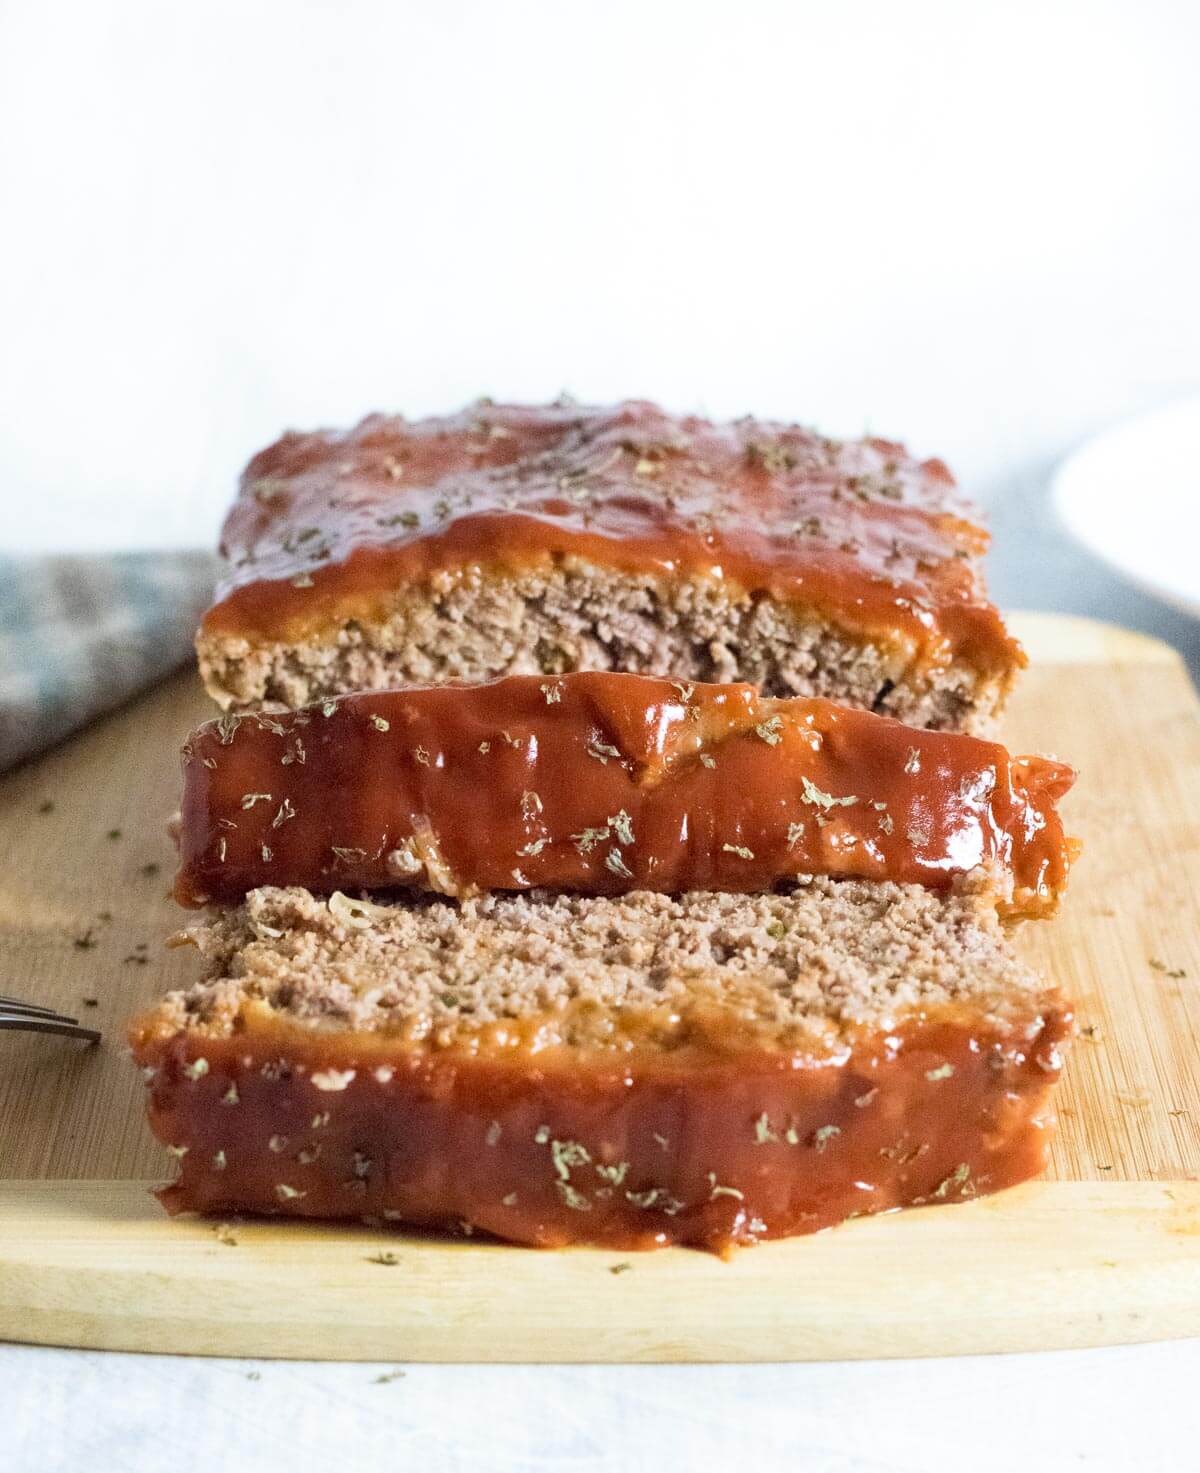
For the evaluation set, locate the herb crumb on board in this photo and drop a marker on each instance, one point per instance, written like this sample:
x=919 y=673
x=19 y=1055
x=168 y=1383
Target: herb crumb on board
x=1175 y=973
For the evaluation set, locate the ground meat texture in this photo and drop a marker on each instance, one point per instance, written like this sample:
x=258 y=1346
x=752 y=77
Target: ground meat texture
x=509 y=540
x=709 y=1069
x=475 y=627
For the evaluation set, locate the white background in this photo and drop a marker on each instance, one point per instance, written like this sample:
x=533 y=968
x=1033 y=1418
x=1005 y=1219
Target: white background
x=974 y=225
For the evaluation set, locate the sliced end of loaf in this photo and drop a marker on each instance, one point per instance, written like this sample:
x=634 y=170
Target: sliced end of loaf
x=707 y=1069
x=581 y=616
x=823 y=961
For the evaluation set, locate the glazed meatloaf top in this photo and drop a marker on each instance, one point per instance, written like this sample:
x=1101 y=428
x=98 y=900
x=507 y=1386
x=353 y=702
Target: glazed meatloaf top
x=607 y=783
x=328 y=525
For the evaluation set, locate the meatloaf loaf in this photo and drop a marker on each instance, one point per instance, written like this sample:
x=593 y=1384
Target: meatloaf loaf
x=709 y=1069
x=605 y=783
x=517 y=540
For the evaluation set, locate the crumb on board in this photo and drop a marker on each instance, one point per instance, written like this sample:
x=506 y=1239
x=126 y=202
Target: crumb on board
x=1175 y=973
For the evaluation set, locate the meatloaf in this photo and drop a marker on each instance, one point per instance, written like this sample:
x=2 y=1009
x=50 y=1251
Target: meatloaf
x=708 y=1069
x=604 y=783
x=518 y=540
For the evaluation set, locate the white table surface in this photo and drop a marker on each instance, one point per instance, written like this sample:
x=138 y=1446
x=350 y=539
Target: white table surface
x=976 y=226
x=1132 y=1410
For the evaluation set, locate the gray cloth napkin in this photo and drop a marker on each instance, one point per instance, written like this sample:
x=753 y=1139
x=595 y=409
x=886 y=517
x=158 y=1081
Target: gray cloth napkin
x=80 y=635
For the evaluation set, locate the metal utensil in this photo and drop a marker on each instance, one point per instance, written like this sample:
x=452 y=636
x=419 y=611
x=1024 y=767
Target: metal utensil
x=27 y=1017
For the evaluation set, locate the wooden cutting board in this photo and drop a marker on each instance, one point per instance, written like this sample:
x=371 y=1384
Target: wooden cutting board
x=1107 y=1249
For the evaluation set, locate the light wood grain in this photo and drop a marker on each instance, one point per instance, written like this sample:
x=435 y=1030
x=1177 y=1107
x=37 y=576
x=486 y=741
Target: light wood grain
x=1060 y=1264
x=1107 y=1249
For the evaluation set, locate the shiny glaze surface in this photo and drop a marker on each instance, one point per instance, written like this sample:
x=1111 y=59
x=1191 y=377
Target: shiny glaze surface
x=604 y=783
x=328 y=525
x=634 y=1151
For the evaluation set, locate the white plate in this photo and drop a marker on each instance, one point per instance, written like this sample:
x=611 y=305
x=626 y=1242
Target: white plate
x=1132 y=496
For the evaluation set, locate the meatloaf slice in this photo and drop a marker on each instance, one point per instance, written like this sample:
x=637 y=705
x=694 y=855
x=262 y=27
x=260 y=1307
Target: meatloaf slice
x=604 y=783
x=708 y=1069
x=517 y=540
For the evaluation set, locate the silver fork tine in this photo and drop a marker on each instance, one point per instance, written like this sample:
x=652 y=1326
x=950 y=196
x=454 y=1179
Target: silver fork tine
x=13 y=1005
x=45 y=1021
